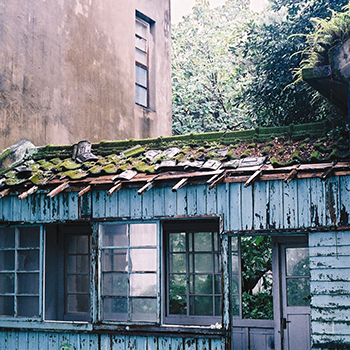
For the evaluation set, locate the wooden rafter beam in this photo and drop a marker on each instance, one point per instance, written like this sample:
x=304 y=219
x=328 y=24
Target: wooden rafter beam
x=117 y=186
x=180 y=184
x=145 y=188
x=253 y=178
x=4 y=192
x=29 y=192
x=217 y=181
x=84 y=190
x=58 y=189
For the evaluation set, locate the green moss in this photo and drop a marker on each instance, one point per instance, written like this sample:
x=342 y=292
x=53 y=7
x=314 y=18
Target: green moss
x=69 y=164
x=275 y=163
x=296 y=156
x=245 y=154
x=5 y=154
x=134 y=151
x=96 y=169
x=281 y=151
x=110 y=169
x=252 y=145
x=229 y=155
x=266 y=151
x=335 y=154
x=73 y=174
x=315 y=156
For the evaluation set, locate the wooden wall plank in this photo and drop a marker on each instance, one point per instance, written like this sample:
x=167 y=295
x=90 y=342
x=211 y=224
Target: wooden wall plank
x=124 y=204
x=159 y=202
x=260 y=204
x=201 y=199
x=83 y=341
x=223 y=203
x=181 y=201
x=212 y=201
x=332 y=198
x=147 y=205
x=247 y=207
x=344 y=191
x=235 y=207
x=290 y=208
x=317 y=205
x=192 y=200
x=304 y=200
x=118 y=342
x=169 y=201
x=135 y=204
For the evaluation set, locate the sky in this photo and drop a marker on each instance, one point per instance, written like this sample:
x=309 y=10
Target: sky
x=180 y=8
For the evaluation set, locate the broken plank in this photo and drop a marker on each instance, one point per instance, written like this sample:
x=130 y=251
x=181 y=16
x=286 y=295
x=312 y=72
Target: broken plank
x=58 y=189
x=29 y=192
x=253 y=178
x=4 y=192
x=145 y=188
x=115 y=188
x=84 y=190
x=180 y=184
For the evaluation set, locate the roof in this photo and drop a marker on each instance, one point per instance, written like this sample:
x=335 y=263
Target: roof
x=294 y=151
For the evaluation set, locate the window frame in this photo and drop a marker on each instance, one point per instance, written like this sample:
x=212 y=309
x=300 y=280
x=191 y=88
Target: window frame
x=40 y=295
x=194 y=225
x=100 y=273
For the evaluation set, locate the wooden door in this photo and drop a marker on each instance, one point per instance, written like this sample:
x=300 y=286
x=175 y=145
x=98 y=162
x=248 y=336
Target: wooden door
x=295 y=291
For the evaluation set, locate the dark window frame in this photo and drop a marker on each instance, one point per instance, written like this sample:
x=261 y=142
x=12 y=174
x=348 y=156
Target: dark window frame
x=191 y=227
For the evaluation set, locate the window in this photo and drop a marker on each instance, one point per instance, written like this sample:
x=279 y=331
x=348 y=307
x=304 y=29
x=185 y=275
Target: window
x=20 y=272
x=129 y=272
x=67 y=277
x=142 y=33
x=193 y=281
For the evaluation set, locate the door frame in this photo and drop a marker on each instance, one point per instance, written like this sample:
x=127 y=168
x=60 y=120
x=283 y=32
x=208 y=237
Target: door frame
x=277 y=242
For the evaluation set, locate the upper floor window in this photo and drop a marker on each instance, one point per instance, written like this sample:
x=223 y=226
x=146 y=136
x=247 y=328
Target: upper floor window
x=193 y=279
x=142 y=35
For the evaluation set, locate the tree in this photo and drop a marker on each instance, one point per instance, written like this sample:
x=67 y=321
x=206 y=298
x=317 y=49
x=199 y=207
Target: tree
x=205 y=72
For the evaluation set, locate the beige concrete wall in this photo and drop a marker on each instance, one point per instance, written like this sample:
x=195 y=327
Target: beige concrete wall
x=67 y=71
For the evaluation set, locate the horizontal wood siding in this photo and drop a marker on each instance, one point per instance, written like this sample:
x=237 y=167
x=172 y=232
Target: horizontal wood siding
x=31 y=340
x=330 y=287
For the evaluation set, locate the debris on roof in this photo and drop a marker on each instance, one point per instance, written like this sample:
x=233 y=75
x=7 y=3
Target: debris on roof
x=248 y=156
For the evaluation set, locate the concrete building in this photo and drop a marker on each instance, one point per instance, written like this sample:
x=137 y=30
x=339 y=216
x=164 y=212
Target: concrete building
x=84 y=69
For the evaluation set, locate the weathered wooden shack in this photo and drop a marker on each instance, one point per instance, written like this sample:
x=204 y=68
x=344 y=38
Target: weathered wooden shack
x=142 y=244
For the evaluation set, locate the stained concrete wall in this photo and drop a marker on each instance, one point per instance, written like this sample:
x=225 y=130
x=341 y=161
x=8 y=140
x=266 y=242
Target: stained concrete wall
x=67 y=71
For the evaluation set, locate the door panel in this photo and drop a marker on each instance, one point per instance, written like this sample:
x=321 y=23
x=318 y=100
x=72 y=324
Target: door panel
x=295 y=290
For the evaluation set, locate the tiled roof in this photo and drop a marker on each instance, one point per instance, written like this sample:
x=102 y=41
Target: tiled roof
x=265 y=153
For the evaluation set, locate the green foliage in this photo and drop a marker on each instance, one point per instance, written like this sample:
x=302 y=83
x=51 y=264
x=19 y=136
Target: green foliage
x=328 y=33
x=65 y=346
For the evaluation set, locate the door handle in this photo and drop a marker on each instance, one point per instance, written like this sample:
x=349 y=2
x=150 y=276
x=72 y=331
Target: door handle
x=284 y=322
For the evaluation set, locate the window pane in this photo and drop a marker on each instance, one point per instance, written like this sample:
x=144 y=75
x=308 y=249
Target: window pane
x=115 y=260
x=7 y=283
x=28 y=260
x=143 y=259
x=115 y=309
x=141 y=28
x=7 y=238
x=141 y=57
x=203 y=263
x=177 y=304
x=298 y=292
x=235 y=284
x=177 y=242
x=143 y=309
x=28 y=283
x=297 y=260
x=140 y=43
x=28 y=306
x=177 y=284
x=6 y=306
x=115 y=284
x=143 y=235
x=78 y=284
x=141 y=76
x=203 y=241
x=141 y=95
x=77 y=303
x=143 y=284
x=115 y=235
x=77 y=244
x=218 y=306
x=203 y=284
x=78 y=263
x=7 y=260
x=29 y=237
x=201 y=305
x=218 y=286
x=177 y=262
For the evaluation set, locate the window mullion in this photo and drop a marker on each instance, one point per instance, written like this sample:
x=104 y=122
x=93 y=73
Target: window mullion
x=15 y=272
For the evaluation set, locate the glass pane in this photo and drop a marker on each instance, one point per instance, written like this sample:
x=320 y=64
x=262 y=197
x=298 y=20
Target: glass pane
x=140 y=43
x=203 y=241
x=78 y=283
x=297 y=260
x=235 y=284
x=177 y=304
x=115 y=309
x=7 y=238
x=28 y=306
x=28 y=260
x=115 y=260
x=234 y=244
x=115 y=235
x=203 y=263
x=141 y=57
x=177 y=262
x=77 y=244
x=143 y=309
x=143 y=284
x=298 y=292
x=203 y=284
x=234 y=263
x=141 y=76
x=143 y=235
x=235 y=305
x=177 y=242
x=28 y=283
x=7 y=260
x=141 y=96
x=177 y=284
x=7 y=283
x=201 y=305
x=7 y=306
x=217 y=263
x=141 y=28
x=217 y=284
x=218 y=306
x=115 y=284
x=29 y=237
x=143 y=260
x=78 y=263
x=78 y=303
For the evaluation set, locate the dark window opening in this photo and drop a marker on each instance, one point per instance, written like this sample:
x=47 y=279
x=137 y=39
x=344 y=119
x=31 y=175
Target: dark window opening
x=193 y=278
x=67 y=273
